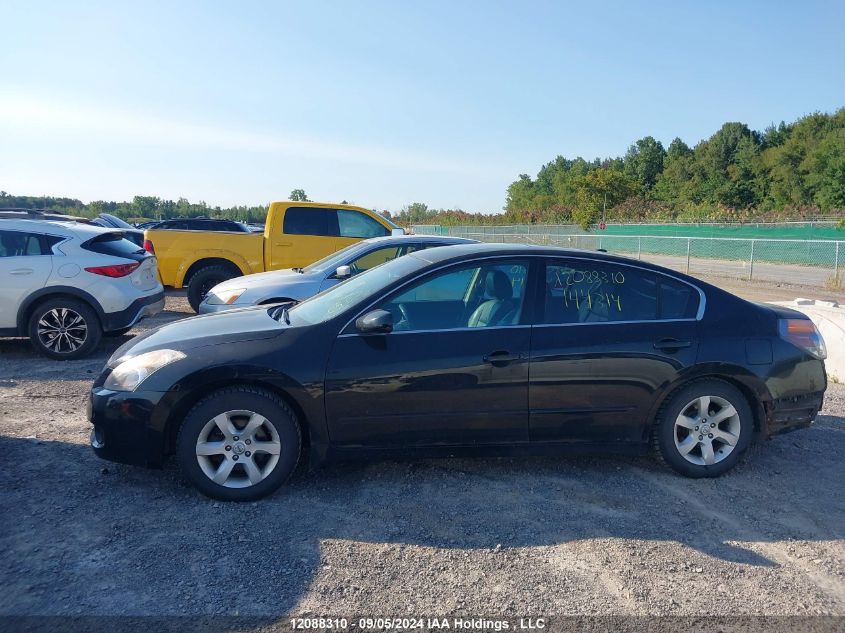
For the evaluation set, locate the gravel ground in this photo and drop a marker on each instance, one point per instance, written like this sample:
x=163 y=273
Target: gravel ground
x=483 y=536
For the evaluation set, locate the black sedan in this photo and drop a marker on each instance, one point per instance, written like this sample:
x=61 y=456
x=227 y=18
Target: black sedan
x=471 y=348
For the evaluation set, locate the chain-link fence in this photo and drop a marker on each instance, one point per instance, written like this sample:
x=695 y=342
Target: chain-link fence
x=802 y=262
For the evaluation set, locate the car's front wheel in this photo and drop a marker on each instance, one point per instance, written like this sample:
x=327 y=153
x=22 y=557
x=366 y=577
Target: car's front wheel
x=704 y=428
x=239 y=444
x=64 y=329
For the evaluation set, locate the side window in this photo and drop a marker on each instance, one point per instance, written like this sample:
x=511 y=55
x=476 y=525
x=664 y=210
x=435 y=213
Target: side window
x=677 y=299
x=356 y=224
x=19 y=244
x=468 y=297
x=586 y=292
x=308 y=221
x=374 y=258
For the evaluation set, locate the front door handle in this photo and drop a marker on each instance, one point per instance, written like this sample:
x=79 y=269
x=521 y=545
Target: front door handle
x=21 y=271
x=671 y=344
x=501 y=358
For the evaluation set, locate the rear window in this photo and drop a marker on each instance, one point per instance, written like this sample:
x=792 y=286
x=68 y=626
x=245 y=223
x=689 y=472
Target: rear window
x=116 y=245
x=310 y=221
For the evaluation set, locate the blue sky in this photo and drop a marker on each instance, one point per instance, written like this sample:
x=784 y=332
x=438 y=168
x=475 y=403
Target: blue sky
x=384 y=103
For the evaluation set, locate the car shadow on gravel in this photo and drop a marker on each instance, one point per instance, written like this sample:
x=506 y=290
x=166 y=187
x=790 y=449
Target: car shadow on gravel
x=87 y=536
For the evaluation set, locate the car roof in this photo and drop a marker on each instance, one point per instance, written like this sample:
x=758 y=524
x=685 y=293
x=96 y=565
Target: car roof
x=64 y=228
x=458 y=252
x=439 y=239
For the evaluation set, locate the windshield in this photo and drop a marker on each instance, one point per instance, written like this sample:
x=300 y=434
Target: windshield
x=331 y=262
x=330 y=303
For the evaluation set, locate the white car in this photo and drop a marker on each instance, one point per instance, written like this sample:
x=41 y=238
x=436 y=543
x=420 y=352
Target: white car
x=65 y=284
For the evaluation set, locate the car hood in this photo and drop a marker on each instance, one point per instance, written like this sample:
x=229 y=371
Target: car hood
x=232 y=326
x=271 y=283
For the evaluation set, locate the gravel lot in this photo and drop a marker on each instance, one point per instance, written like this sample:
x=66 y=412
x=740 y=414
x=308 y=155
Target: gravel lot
x=485 y=536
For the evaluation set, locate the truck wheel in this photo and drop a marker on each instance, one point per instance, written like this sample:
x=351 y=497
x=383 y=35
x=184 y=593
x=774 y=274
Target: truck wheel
x=64 y=329
x=204 y=280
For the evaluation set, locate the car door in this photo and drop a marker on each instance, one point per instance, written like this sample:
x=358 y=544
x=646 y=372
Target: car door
x=609 y=336
x=25 y=265
x=454 y=371
x=307 y=234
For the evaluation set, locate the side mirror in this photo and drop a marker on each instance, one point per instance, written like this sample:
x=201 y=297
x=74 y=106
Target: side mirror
x=375 y=322
x=397 y=232
x=343 y=272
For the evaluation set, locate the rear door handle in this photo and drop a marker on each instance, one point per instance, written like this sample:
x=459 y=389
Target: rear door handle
x=21 y=271
x=671 y=344
x=501 y=358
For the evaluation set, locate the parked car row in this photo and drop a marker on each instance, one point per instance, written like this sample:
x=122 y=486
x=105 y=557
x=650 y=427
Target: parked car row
x=401 y=345
x=64 y=306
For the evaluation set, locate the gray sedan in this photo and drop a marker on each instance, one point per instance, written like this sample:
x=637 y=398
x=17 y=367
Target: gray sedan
x=297 y=284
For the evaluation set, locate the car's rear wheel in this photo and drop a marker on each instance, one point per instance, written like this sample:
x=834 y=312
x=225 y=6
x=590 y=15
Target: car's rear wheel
x=64 y=328
x=704 y=428
x=239 y=444
x=204 y=280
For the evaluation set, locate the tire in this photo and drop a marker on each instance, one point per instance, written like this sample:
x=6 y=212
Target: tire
x=231 y=459
x=679 y=422
x=204 y=280
x=64 y=328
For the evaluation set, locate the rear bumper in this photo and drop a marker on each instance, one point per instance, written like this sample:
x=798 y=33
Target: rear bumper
x=137 y=310
x=122 y=426
x=789 y=414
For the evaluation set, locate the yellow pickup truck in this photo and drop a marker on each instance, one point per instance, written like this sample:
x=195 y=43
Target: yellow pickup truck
x=295 y=235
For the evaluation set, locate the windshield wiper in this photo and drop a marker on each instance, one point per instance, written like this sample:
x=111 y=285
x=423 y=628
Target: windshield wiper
x=296 y=270
x=281 y=311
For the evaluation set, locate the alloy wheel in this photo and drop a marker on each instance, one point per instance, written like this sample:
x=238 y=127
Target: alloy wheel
x=238 y=449
x=62 y=330
x=707 y=430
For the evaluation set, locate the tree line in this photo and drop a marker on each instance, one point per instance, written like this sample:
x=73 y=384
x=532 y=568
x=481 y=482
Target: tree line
x=788 y=171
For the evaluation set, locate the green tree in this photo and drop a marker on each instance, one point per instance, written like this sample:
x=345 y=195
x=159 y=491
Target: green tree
x=298 y=195
x=599 y=189
x=643 y=163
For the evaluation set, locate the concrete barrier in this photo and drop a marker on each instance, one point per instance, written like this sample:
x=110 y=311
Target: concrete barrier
x=829 y=317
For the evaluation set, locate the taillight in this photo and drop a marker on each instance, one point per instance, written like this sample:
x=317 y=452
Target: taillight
x=803 y=333
x=148 y=246
x=118 y=270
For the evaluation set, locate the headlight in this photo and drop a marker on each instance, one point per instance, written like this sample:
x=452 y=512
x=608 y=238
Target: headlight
x=224 y=297
x=129 y=374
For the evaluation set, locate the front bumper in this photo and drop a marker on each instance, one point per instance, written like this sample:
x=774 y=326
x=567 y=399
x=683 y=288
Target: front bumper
x=124 y=429
x=137 y=310
x=789 y=414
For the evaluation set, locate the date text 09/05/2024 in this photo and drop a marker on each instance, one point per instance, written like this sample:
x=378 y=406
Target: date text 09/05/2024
x=410 y=623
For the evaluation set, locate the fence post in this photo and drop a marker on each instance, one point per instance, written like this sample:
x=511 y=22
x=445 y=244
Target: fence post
x=689 y=244
x=639 y=247
x=751 y=269
x=836 y=264
x=600 y=239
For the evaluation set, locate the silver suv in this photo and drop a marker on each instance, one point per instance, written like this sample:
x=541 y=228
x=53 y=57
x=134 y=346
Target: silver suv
x=65 y=284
